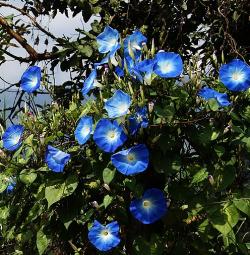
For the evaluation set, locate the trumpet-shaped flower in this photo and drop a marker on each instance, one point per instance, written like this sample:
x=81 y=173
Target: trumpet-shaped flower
x=150 y=208
x=168 y=64
x=107 y=41
x=84 y=129
x=138 y=120
x=109 y=135
x=56 y=159
x=31 y=79
x=132 y=68
x=134 y=42
x=12 y=137
x=89 y=82
x=146 y=66
x=104 y=238
x=132 y=161
x=118 y=104
x=208 y=93
x=235 y=75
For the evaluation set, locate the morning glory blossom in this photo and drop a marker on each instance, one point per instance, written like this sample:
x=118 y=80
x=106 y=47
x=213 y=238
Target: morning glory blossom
x=107 y=41
x=131 y=161
x=235 y=75
x=132 y=68
x=150 y=208
x=84 y=129
x=31 y=78
x=109 y=135
x=89 y=82
x=12 y=137
x=134 y=42
x=138 y=120
x=168 y=64
x=56 y=159
x=221 y=98
x=104 y=238
x=146 y=66
x=118 y=104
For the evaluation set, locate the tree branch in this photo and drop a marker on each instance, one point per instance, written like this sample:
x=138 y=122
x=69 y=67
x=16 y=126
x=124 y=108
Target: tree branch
x=33 y=20
x=33 y=54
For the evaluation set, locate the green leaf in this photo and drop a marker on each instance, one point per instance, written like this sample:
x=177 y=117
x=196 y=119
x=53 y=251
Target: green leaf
x=85 y=50
x=199 y=176
x=167 y=112
x=224 y=177
x=225 y=218
x=57 y=189
x=3 y=182
x=213 y=104
x=107 y=200
x=42 y=241
x=108 y=175
x=28 y=176
x=243 y=205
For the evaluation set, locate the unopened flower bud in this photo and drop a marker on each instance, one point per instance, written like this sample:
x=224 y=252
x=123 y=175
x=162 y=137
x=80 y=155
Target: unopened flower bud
x=211 y=179
x=150 y=106
x=2 y=154
x=106 y=186
x=95 y=204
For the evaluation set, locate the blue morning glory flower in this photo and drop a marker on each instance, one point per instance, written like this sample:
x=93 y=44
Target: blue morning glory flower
x=89 y=82
x=146 y=66
x=168 y=64
x=138 y=120
x=84 y=129
x=12 y=137
x=109 y=135
x=31 y=79
x=118 y=104
x=150 y=208
x=135 y=42
x=131 y=161
x=11 y=186
x=235 y=75
x=208 y=93
x=104 y=238
x=132 y=68
x=107 y=40
x=56 y=159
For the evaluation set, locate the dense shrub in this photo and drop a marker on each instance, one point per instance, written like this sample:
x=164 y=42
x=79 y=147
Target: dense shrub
x=152 y=147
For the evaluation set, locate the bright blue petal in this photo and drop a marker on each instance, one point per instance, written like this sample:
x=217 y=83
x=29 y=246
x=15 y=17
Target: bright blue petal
x=132 y=68
x=235 y=75
x=31 y=79
x=119 y=71
x=12 y=137
x=132 y=161
x=56 y=159
x=107 y=40
x=104 y=238
x=208 y=93
x=136 y=41
x=138 y=120
x=84 y=129
x=146 y=66
x=168 y=64
x=109 y=135
x=11 y=186
x=89 y=82
x=118 y=104
x=150 y=208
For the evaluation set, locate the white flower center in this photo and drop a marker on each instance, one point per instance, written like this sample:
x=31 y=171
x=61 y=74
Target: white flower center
x=166 y=67
x=105 y=234
x=123 y=108
x=85 y=131
x=146 y=204
x=112 y=135
x=113 y=42
x=131 y=157
x=238 y=76
x=16 y=139
x=34 y=82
